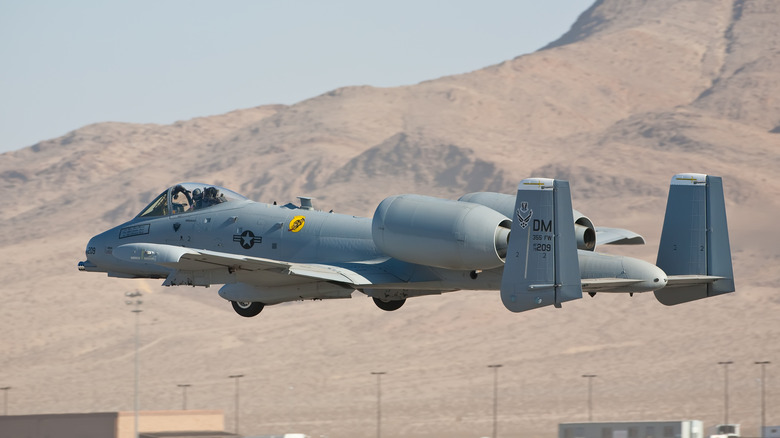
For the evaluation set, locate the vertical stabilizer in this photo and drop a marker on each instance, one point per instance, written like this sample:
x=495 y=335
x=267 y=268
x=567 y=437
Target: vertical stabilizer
x=694 y=250
x=542 y=267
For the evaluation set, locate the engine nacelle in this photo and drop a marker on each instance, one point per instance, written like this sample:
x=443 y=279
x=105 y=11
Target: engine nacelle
x=441 y=232
x=584 y=230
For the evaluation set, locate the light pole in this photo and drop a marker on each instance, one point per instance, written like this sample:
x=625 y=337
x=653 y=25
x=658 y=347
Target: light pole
x=5 y=399
x=726 y=390
x=236 y=377
x=590 y=395
x=763 y=364
x=378 y=375
x=495 y=398
x=135 y=300
x=184 y=387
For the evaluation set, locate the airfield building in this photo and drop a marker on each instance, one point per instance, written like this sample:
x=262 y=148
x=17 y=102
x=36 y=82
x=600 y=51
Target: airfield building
x=771 y=432
x=151 y=424
x=643 y=429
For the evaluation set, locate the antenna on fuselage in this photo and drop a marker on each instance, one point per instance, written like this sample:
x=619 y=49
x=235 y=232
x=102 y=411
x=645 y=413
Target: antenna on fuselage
x=306 y=203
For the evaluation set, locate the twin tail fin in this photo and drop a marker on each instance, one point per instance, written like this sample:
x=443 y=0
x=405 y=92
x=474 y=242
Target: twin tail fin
x=542 y=267
x=694 y=250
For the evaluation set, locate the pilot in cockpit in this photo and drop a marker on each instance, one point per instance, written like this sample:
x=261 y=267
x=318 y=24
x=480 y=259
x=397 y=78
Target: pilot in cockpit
x=181 y=200
x=197 y=199
x=211 y=196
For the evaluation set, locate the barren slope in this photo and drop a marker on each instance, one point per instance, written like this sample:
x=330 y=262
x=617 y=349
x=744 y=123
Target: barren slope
x=636 y=92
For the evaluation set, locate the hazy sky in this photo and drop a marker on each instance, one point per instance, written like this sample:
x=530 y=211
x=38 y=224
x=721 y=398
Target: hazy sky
x=66 y=64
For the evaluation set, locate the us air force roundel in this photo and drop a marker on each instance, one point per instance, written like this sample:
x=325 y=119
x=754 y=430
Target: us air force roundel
x=247 y=239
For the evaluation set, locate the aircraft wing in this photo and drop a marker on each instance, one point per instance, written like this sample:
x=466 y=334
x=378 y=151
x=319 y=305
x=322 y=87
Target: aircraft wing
x=617 y=236
x=187 y=259
x=179 y=257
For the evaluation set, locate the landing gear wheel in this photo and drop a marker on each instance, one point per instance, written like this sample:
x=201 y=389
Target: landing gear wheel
x=247 y=309
x=389 y=306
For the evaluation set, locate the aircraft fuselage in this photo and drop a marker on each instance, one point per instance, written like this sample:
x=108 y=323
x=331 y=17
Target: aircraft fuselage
x=290 y=234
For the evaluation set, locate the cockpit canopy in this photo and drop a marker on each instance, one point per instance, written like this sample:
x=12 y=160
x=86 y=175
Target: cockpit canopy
x=187 y=197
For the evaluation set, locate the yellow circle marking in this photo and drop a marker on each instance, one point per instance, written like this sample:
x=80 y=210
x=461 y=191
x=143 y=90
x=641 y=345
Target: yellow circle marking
x=297 y=223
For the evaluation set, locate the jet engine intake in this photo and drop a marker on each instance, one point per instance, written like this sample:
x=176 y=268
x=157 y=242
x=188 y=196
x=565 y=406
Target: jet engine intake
x=441 y=232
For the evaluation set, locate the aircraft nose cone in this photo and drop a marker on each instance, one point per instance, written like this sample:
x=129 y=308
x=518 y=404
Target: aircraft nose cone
x=91 y=263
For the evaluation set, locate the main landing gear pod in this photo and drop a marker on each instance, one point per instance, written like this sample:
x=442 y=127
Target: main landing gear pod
x=247 y=309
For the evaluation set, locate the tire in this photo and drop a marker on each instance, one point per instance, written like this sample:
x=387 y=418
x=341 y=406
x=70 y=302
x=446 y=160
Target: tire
x=389 y=306
x=247 y=309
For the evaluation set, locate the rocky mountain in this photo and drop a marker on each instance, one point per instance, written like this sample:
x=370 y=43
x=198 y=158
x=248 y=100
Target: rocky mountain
x=635 y=92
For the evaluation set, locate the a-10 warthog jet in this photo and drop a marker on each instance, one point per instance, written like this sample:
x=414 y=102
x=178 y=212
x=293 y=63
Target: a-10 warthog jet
x=533 y=247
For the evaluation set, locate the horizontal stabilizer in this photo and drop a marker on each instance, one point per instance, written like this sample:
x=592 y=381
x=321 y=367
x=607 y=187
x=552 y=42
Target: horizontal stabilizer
x=541 y=268
x=694 y=249
x=607 y=284
x=687 y=280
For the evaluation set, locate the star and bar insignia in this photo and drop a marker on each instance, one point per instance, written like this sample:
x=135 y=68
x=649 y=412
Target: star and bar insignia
x=247 y=239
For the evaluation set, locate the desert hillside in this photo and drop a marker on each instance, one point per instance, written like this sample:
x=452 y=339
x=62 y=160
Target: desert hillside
x=635 y=92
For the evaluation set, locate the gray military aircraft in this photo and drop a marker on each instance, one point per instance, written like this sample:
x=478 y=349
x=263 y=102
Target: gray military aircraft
x=533 y=247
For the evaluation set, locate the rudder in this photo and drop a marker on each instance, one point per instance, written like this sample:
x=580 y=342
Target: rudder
x=694 y=250
x=542 y=267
